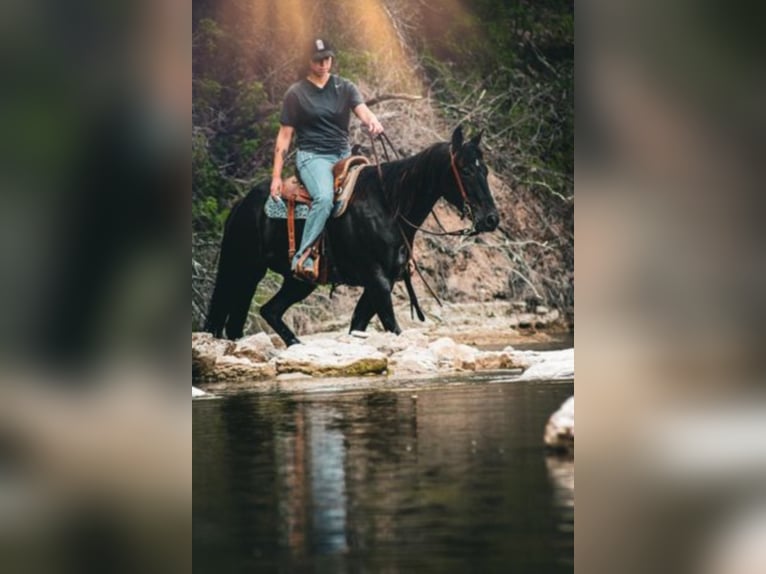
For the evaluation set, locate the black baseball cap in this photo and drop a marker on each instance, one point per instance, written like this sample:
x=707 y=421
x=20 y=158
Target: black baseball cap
x=321 y=49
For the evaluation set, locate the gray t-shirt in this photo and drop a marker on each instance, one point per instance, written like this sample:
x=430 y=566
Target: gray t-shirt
x=320 y=116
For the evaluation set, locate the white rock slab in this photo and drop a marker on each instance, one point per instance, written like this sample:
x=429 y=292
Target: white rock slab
x=414 y=361
x=454 y=355
x=257 y=348
x=546 y=365
x=559 y=432
x=329 y=357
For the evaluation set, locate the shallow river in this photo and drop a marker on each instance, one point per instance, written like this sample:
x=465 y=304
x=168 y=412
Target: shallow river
x=449 y=479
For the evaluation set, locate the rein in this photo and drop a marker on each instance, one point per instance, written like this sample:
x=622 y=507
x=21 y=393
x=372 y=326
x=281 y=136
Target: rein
x=383 y=141
x=468 y=231
x=417 y=269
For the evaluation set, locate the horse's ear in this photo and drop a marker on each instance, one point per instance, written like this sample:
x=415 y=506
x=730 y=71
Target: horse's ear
x=476 y=140
x=457 y=138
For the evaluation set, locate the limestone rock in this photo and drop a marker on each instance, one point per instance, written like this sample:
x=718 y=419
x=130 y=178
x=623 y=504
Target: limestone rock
x=559 y=432
x=327 y=357
x=388 y=343
x=495 y=361
x=220 y=360
x=454 y=355
x=545 y=365
x=277 y=341
x=258 y=348
x=414 y=361
x=229 y=368
x=205 y=351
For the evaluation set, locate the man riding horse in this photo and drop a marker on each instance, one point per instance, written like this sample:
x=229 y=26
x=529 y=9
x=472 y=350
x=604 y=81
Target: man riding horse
x=369 y=244
x=317 y=109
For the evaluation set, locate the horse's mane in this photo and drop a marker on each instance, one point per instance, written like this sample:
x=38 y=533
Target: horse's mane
x=404 y=178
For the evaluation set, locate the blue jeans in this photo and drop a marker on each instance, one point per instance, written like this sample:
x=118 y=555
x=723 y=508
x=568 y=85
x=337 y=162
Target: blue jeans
x=316 y=172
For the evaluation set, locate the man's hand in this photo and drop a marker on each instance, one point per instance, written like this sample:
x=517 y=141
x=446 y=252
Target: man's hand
x=276 y=188
x=375 y=127
x=368 y=119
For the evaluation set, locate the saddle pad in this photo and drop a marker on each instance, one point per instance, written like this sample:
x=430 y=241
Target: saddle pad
x=278 y=209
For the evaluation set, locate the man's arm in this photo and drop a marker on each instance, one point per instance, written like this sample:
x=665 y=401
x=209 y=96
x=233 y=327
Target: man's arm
x=284 y=137
x=368 y=118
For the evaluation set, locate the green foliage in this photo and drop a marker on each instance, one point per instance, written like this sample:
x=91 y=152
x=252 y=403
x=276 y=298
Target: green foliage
x=356 y=65
x=518 y=79
x=211 y=191
x=208 y=35
x=249 y=99
x=208 y=216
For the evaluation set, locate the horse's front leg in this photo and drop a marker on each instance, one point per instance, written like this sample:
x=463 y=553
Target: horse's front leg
x=291 y=292
x=380 y=292
x=363 y=312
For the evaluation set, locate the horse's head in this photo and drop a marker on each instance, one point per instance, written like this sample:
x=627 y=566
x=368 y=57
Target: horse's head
x=470 y=190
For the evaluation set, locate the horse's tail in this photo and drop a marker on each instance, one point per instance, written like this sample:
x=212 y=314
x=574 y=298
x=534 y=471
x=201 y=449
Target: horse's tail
x=225 y=280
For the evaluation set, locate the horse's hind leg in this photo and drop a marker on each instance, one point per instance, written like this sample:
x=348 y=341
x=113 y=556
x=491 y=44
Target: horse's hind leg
x=289 y=294
x=241 y=297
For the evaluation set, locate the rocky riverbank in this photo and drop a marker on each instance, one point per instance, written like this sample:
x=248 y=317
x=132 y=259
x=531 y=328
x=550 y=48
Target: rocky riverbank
x=456 y=338
x=238 y=365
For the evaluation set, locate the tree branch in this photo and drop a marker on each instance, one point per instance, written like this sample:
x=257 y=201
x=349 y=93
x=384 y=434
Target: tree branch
x=384 y=97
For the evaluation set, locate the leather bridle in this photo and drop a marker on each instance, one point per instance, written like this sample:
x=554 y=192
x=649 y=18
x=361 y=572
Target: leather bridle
x=466 y=207
x=383 y=139
x=453 y=164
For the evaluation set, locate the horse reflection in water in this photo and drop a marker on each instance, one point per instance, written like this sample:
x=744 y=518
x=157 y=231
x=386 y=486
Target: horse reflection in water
x=325 y=475
x=321 y=461
x=369 y=246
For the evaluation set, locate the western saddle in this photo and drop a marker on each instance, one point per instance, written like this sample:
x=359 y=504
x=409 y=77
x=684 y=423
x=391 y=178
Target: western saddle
x=345 y=173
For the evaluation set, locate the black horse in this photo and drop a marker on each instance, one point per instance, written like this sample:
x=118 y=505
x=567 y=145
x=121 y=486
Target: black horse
x=369 y=245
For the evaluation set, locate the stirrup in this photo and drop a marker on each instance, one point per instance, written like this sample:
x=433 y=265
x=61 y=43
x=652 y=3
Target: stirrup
x=306 y=268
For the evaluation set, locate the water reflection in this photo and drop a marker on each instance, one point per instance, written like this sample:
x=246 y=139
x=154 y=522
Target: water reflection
x=328 y=481
x=450 y=480
x=561 y=471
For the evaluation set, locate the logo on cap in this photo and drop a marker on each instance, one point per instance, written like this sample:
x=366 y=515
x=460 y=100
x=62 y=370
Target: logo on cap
x=320 y=45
